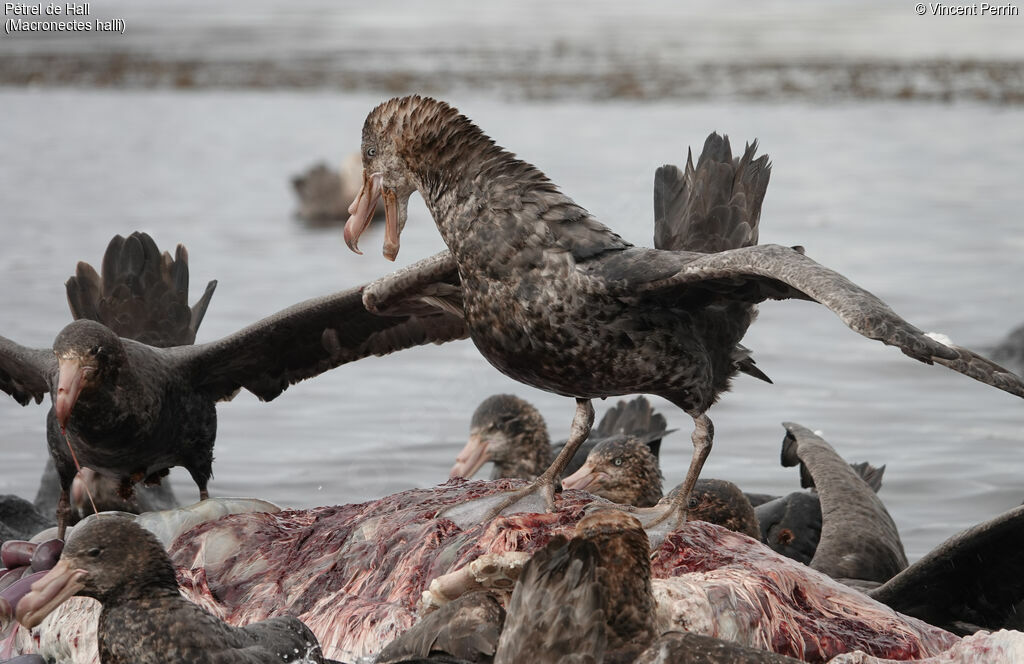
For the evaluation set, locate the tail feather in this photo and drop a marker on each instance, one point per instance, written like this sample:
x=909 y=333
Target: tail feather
x=142 y=293
x=714 y=206
x=636 y=418
x=199 y=308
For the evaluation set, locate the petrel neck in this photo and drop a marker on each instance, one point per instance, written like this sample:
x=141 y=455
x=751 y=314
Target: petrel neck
x=478 y=192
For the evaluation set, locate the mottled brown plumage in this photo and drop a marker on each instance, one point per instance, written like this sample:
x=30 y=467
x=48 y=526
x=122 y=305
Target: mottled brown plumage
x=144 y=619
x=587 y=599
x=691 y=648
x=620 y=469
x=723 y=503
x=555 y=299
x=467 y=628
x=511 y=433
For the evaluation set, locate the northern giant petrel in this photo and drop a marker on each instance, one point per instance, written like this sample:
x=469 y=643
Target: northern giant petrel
x=145 y=619
x=141 y=294
x=132 y=410
x=555 y=299
x=512 y=434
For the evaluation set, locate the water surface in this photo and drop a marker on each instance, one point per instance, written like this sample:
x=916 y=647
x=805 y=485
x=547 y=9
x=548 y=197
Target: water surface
x=918 y=203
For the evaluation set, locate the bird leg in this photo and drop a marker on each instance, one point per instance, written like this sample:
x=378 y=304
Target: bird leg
x=201 y=473
x=63 y=512
x=703 y=433
x=581 y=423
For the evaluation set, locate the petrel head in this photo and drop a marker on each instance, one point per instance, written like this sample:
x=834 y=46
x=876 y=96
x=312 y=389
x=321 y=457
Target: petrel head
x=88 y=354
x=394 y=135
x=621 y=469
x=106 y=556
x=504 y=429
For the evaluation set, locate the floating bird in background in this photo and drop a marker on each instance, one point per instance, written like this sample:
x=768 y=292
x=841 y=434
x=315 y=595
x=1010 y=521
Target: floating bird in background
x=131 y=409
x=555 y=299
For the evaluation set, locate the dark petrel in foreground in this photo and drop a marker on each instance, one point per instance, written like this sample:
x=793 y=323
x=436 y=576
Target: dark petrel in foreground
x=131 y=409
x=141 y=295
x=144 y=618
x=555 y=299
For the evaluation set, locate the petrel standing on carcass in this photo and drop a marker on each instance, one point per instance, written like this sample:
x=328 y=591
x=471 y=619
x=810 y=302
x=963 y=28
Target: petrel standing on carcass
x=555 y=299
x=132 y=410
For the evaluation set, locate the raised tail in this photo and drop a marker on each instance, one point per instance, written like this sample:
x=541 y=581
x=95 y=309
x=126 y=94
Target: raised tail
x=635 y=418
x=714 y=206
x=142 y=294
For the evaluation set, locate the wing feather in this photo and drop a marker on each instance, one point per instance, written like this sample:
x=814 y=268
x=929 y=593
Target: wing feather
x=307 y=339
x=555 y=613
x=714 y=206
x=23 y=371
x=757 y=273
x=426 y=285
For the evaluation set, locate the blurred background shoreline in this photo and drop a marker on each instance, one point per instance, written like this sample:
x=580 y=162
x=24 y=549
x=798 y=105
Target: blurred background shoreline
x=786 y=50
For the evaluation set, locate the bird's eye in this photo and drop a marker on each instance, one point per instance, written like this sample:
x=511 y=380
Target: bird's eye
x=96 y=350
x=371 y=152
x=618 y=461
x=691 y=503
x=94 y=552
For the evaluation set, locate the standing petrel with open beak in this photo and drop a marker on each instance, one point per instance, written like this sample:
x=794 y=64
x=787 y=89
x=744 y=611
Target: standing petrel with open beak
x=555 y=299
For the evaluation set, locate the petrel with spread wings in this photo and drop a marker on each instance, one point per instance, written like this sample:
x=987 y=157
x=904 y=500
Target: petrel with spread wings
x=132 y=409
x=555 y=299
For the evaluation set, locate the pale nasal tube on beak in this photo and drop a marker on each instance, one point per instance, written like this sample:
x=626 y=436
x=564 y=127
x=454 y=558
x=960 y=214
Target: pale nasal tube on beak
x=69 y=386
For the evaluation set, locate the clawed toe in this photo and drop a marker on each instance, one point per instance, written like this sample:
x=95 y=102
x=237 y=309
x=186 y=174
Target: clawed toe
x=547 y=490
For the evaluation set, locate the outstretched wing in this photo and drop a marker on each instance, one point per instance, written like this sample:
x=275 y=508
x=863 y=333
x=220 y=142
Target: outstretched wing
x=305 y=340
x=426 y=285
x=142 y=295
x=713 y=207
x=23 y=371
x=754 y=274
x=971 y=581
x=859 y=539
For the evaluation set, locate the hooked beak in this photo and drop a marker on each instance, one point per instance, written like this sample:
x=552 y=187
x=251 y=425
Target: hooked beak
x=49 y=592
x=362 y=209
x=365 y=205
x=69 y=386
x=472 y=456
x=583 y=477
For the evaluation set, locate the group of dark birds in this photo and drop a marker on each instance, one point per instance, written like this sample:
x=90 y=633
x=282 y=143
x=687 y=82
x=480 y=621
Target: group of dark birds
x=548 y=294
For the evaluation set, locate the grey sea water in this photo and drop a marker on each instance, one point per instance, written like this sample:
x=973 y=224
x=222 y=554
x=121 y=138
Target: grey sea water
x=918 y=202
